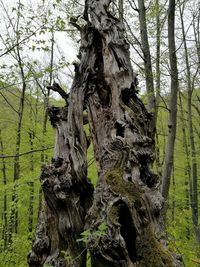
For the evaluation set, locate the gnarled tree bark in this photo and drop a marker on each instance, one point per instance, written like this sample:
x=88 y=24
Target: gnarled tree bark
x=126 y=199
x=67 y=191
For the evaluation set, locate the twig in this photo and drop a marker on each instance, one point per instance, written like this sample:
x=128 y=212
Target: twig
x=91 y=162
x=25 y=153
x=198 y=262
x=18 y=43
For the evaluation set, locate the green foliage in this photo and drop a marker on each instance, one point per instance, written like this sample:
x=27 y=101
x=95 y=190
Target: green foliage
x=180 y=231
x=16 y=253
x=85 y=236
x=96 y=235
x=67 y=257
x=101 y=231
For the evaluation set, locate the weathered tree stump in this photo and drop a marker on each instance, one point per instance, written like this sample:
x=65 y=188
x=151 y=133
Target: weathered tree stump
x=67 y=194
x=127 y=198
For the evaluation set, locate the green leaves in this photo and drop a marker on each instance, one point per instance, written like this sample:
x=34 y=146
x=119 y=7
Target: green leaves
x=102 y=228
x=60 y=24
x=86 y=236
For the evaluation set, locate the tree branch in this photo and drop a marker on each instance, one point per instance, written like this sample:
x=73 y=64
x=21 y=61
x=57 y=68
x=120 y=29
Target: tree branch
x=25 y=153
x=56 y=88
x=18 y=43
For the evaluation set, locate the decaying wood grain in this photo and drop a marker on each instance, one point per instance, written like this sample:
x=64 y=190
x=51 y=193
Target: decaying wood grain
x=67 y=192
x=126 y=198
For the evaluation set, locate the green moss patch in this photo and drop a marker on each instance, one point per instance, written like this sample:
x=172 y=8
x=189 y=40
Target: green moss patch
x=150 y=248
x=114 y=178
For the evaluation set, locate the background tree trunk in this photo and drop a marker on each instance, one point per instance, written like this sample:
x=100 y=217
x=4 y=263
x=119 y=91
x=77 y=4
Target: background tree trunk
x=147 y=61
x=168 y=164
x=5 y=209
x=194 y=170
x=121 y=9
x=122 y=225
x=158 y=54
x=47 y=94
x=13 y=221
x=31 y=183
x=188 y=179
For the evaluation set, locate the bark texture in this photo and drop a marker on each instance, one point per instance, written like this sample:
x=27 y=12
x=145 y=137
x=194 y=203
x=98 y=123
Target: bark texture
x=126 y=200
x=67 y=192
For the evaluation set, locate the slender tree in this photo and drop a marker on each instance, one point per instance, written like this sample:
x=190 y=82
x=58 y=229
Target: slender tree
x=121 y=9
x=196 y=29
x=31 y=183
x=147 y=60
x=169 y=156
x=5 y=209
x=46 y=96
x=194 y=171
x=158 y=54
x=188 y=179
x=13 y=221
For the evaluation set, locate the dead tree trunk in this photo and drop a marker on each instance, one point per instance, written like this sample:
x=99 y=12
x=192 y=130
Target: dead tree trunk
x=127 y=202
x=67 y=192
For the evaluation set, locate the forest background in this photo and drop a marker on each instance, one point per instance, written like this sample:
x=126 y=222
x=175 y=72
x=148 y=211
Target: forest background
x=38 y=45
